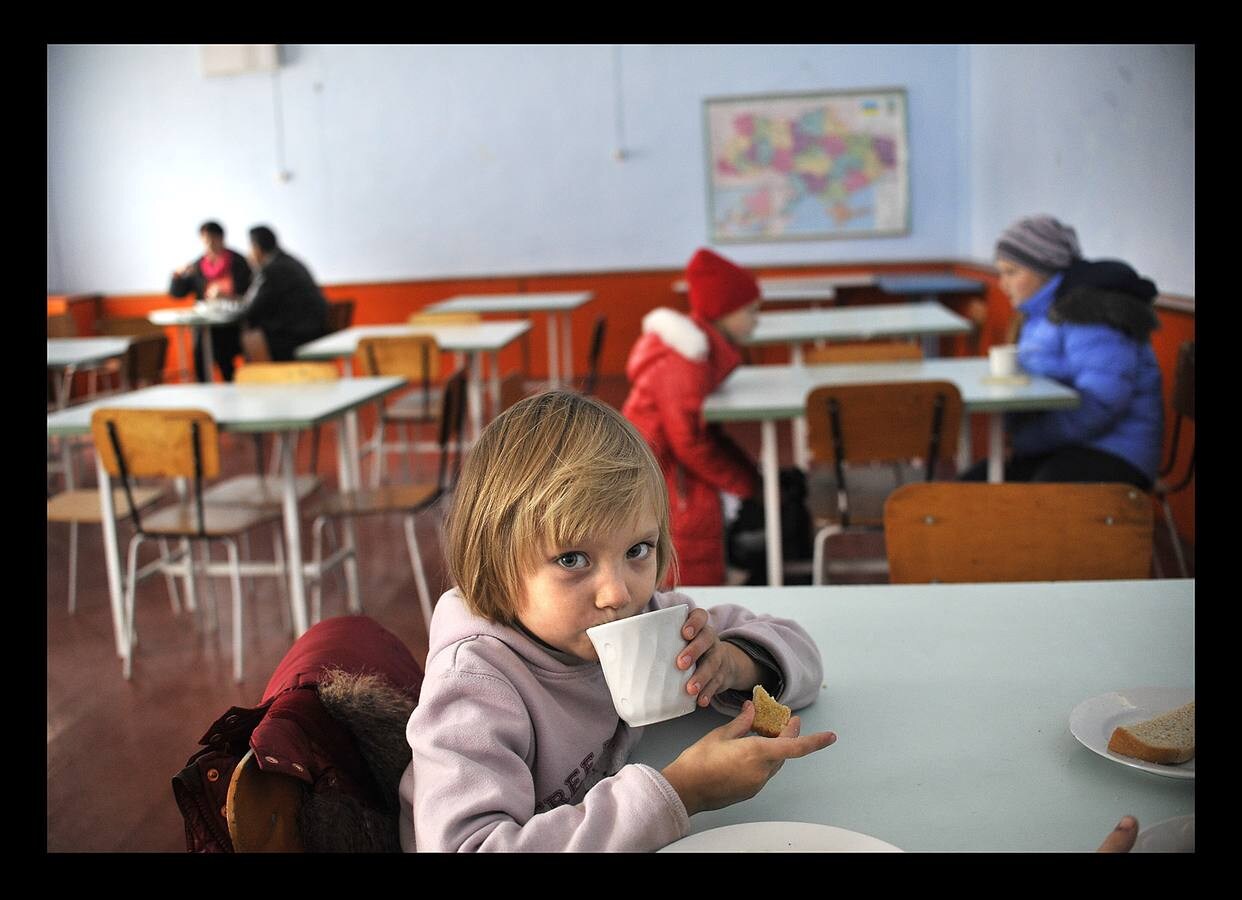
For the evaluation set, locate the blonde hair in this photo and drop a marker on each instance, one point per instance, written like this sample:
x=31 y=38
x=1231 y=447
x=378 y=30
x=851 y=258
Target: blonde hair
x=550 y=471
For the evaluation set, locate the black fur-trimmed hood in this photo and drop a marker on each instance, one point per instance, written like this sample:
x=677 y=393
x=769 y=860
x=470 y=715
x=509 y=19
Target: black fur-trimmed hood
x=1106 y=292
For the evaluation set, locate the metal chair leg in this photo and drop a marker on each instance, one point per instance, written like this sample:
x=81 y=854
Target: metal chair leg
x=317 y=556
x=191 y=588
x=1177 y=540
x=73 y=567
x=282 y=587
x=819 y=563
x=424 y=595
x=131 y=631
x=235 y=578
x=174 y=598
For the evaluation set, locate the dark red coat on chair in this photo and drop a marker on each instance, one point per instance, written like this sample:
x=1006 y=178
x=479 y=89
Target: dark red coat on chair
x=677 y=362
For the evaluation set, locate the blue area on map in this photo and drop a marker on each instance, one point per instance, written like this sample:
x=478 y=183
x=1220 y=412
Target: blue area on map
x=728 y=203
x=812 y=122
x=811 y=214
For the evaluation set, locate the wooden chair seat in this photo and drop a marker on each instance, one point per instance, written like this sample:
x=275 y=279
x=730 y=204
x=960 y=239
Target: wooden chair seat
x=414 y=407
x=262 y=809
x=259 y=491
x=181 y=520
x=83 y=505
x=384 y=499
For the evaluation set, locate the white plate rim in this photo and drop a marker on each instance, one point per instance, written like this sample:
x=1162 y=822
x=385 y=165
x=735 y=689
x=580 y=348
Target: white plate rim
x=689 y=844
x=1085 y=723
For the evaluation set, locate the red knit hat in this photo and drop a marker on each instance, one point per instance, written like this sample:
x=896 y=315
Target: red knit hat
x=717 y=286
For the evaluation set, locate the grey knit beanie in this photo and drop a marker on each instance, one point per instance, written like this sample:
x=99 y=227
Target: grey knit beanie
x=1040 y=243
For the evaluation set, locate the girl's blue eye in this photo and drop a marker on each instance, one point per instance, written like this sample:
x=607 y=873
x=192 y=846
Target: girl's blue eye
x=640 y=551
x=573 y=560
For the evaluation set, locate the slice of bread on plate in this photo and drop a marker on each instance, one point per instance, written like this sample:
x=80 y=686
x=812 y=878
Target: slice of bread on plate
x=1167 y=739
x=770 y=716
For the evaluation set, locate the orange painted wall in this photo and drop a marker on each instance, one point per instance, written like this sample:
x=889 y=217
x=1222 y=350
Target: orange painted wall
x=625 y=297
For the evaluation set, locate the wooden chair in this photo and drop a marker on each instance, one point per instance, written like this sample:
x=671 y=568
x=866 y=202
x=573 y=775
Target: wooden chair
x=174 y=443
x=444 y=318
x=262 y=809
x=340 y=314
x=417 y=359
x=889 y=424
x=862 y=352
x=408 y=499
x=971 y=532
x=254 y=346
x=268 y=490
x=597 y=348
x=61 y=325
x=1183 y=401
x=148 y=353
x=83 y=507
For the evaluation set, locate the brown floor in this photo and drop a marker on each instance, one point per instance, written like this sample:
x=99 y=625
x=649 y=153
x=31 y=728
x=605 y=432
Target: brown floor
x=113 y=746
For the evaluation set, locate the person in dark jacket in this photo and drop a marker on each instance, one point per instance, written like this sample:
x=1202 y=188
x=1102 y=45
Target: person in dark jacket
x=1086 y=324
x=284 y=302
x=219 y=273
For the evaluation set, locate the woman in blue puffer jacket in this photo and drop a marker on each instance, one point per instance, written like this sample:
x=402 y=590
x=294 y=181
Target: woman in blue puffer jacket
x=1087 y=325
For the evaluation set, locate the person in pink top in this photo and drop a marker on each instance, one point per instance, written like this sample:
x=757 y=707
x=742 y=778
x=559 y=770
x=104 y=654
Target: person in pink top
x=560 y=522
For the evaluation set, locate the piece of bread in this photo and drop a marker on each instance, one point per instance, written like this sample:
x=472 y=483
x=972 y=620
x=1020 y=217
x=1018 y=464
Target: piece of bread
x=1168 y=739
x=770 y=716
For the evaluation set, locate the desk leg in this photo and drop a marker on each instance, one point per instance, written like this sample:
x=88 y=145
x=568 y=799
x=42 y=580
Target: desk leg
x=293 y=535
x=111 y=560
x=351 y=434
x=554 y=367
x=996 y=448
x=346 y=459
x=567 y=357
x=931 y=343
x=475 y=395
x=208 y=357
x=965 y=453
x=184 y=333
x=772 y=501
x=802 y=455
x=493 y=384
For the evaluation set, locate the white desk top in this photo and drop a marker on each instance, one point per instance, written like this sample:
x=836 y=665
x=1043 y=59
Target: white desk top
x=62 y=352
x=558 y=301
x=801 y=286
x=200 y=313
x=485 y=336
x=779 y=392
x=857 y=323
x=240 y=407
x=951 y=705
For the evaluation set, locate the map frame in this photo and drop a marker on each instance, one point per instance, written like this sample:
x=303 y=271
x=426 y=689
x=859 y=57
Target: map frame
x=759 y=104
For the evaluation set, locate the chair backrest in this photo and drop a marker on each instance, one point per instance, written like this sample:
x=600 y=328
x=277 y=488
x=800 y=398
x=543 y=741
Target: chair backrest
x=861 y=423
x=61 y=325
x=146 y=358
x=286 y=373
x=340 y=314
x=444 y=318
x=254 y=345
x=1184 y=381
x=597 y=348
x=157 y=443
x=863 y=351
x=970 y=532
x=262 y=809
x=416 y=357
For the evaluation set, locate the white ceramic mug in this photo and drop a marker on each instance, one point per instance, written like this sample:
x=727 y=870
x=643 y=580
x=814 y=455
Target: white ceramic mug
x=1003 y=360
x=639 y=658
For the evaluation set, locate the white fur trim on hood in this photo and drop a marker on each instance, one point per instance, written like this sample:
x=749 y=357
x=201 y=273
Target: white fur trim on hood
x=678 y=331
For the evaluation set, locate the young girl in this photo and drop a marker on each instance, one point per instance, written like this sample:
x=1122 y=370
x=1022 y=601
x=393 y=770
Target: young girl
x=559 y=523
x=672 y=368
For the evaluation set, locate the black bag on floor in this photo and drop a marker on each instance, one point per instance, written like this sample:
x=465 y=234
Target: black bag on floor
x=746 y=541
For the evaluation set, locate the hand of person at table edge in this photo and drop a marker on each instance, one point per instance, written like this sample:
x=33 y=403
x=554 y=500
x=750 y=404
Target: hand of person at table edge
x=728 y=765
x=721 y=666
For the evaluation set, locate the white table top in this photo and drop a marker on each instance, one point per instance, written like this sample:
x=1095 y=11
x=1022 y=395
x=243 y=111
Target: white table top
x=62 y=352
x=857 y=323
x=240 y=407
x=200 y=313
x=779 y=392
x=556 y=301
x=485 y=336
x=951 y=706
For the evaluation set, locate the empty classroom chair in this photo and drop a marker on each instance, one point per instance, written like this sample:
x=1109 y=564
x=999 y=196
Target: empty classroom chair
x=1167 y=484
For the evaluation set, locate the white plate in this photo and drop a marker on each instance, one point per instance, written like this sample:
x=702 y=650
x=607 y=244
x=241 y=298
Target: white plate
x=1170 y=836
x=1093 y=721
x=779 y=837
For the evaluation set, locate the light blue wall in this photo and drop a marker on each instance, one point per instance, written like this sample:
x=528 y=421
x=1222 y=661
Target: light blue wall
x=418 y=162
x=1102 y=137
